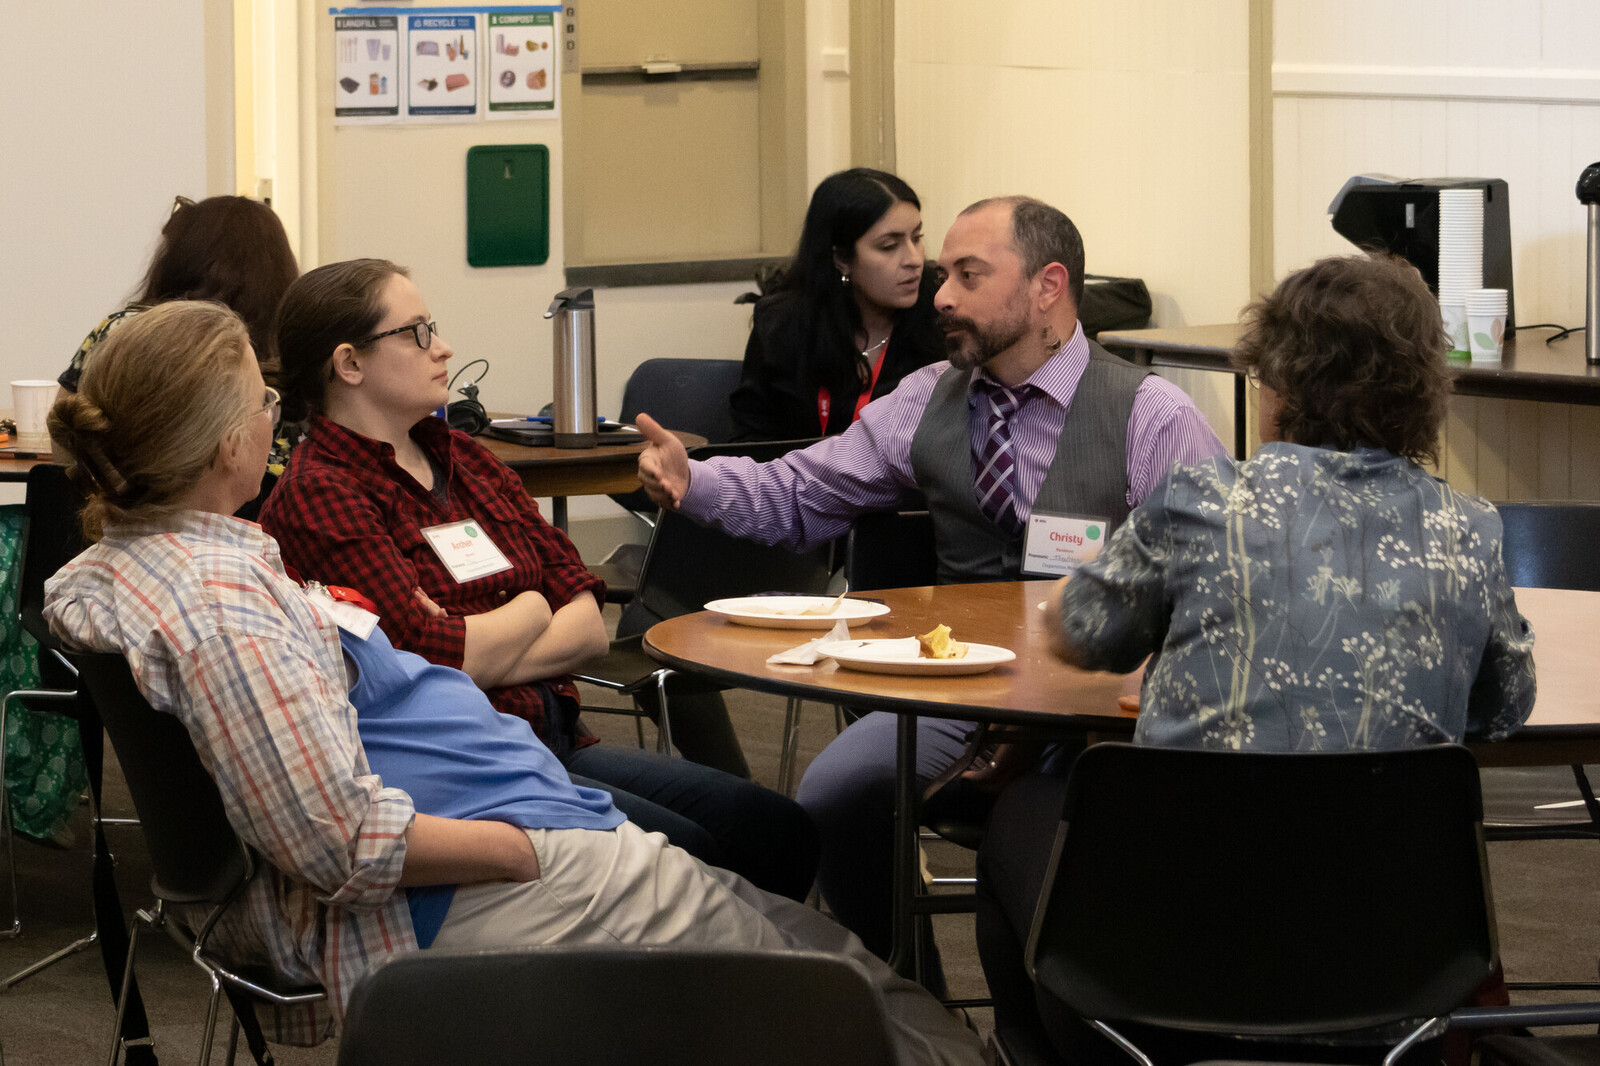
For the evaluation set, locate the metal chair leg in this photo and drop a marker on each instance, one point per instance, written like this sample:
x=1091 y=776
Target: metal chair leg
x=61 y=695
x=210 y=1033
x=16 y=923
x=663 y=722
x=122 y=996
x=789 y=752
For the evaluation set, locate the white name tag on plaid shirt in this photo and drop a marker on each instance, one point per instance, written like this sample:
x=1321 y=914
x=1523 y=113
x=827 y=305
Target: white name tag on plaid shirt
x=354 y=620
x=466 y=550
x=1058 y=544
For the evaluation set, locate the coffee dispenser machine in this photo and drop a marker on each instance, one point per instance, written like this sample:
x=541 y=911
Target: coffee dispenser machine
x=1401 y=215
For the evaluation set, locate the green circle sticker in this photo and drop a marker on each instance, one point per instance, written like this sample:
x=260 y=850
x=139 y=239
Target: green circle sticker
x=472 y=530
x=1092 y=532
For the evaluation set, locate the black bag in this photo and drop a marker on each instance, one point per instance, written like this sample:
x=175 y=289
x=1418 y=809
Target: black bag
x=1113 y=303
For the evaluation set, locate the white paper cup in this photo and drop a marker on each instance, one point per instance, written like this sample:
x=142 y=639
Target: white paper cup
x=1455 y=327
x=1487 y=336
x=31 y=400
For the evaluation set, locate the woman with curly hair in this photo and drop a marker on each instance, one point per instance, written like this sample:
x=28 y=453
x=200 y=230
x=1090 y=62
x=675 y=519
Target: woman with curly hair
x=1329 y=594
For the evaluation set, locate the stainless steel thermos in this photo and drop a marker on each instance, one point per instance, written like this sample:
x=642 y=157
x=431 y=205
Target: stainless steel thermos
x=1589 y=196
x=573 y=415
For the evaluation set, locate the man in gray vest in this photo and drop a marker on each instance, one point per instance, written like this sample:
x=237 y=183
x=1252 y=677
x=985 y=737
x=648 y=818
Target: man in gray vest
x=1031 y=438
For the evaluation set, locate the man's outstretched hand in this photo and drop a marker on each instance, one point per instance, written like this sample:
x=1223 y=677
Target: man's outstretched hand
x=663 y=465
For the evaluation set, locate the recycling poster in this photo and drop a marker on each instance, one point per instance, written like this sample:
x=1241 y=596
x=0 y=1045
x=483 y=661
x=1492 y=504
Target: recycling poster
x=442 y=51
x=445 y=64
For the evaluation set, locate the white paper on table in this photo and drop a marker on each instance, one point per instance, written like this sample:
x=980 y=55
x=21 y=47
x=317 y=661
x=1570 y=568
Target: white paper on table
x=806 y=654
x=903 y=648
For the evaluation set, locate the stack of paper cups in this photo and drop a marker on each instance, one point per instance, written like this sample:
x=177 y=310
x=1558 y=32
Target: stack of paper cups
x=1460 y=261
x=1486 y=323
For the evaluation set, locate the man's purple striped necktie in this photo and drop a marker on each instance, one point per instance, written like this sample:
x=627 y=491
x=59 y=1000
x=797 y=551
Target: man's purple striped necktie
x=996 y=480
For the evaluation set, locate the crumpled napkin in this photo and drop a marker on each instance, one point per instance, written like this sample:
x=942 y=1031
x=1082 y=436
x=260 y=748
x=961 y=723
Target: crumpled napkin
x=806 y=654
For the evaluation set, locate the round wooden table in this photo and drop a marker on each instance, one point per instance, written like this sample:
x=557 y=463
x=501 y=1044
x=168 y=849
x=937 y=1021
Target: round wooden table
x=1037 y=687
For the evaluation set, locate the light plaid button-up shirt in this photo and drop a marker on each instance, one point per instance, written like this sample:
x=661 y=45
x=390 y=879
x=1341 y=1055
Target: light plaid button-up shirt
x=218 y=636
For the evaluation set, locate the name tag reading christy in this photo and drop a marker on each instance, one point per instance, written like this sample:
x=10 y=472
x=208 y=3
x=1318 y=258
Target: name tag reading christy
x=466 y=550
x=1058 y=544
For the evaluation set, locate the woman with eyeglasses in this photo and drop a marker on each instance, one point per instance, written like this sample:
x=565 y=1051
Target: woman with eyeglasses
x=850 y=315
x=386 y=499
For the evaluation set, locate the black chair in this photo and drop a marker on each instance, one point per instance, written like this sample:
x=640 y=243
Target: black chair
x=53 y=537
x=690 y=395
x=1274 y=896
x=1545 y=545
x=199 y=864
x=686 y=566
x=668 y=1007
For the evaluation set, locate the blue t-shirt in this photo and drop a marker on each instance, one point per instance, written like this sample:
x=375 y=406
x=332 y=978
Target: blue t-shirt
x=431 y=731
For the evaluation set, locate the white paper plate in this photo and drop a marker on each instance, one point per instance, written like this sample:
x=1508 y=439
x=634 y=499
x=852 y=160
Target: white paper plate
x=781 y=612
x=898 y=657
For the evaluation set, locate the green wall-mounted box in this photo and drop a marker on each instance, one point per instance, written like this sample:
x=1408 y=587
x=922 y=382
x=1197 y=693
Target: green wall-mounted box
x=508 y=205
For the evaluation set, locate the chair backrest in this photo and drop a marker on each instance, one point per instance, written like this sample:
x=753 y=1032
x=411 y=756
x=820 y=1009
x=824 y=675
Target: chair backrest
x=1266 y=894
x=1551 y=545
x=663 y=1006
x=53 y=538
x=194 y=853
x=687 y=564
x=891 y=550
x=684 y=394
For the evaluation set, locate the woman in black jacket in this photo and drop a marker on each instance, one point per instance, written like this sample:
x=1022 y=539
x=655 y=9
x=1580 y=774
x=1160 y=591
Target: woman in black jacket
x=850 y=317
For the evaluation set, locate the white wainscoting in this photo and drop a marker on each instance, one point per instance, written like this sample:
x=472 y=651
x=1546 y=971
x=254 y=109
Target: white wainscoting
x=1452 y=88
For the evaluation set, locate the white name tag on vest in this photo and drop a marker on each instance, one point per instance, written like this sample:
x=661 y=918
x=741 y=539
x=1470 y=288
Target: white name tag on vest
x=1058 y=544
x=466 y=550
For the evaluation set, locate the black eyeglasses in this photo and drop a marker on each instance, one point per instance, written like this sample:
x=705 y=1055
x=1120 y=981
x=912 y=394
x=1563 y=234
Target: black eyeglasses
x=179 y=203
x=421 y=332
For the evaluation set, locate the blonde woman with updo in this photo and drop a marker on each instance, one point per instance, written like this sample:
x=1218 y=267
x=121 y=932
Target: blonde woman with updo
x=395 y=807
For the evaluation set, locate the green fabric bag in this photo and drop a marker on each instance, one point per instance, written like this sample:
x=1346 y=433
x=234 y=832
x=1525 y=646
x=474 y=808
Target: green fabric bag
x=45 y=775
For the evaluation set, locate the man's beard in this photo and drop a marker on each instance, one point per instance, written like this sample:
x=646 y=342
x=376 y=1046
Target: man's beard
x=972 y=346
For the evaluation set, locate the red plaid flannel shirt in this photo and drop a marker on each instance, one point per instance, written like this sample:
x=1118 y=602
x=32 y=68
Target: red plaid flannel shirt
x=345 y=513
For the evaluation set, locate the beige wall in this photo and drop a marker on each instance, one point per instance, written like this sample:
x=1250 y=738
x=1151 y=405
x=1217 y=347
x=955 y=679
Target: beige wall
x=94 y=156
x=1131 y=117
x=1435 y=88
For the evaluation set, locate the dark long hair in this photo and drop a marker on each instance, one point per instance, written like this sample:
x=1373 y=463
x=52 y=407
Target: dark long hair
x=228 y=249
x=332 y=305
x=844 y=206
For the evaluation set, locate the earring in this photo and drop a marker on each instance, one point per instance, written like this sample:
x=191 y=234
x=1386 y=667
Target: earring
x=844 y=279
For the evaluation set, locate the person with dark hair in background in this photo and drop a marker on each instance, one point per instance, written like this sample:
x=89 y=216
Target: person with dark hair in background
x=376 y=486
x=851 y=314
x=230 y=249
x=1327 y=595
x=1028 y=418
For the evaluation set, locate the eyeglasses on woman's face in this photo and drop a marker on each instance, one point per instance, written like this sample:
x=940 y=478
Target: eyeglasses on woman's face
x=421 y=332
x=271 y=403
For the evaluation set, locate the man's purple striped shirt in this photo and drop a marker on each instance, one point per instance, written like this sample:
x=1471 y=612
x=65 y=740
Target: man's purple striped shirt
x=812 y=495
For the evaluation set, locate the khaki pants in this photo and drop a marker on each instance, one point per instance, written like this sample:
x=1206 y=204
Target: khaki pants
x=607 y=887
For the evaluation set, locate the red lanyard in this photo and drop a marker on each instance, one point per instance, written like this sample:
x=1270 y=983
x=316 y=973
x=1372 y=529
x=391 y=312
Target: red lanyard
x=825 y=398
x=335 y=592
